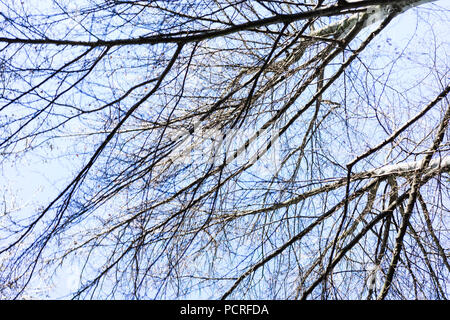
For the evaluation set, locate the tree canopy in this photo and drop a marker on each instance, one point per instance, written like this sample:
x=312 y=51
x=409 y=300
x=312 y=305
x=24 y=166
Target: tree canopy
x=225 y=149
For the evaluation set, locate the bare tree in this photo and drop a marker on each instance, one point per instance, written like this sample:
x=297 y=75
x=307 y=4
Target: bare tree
x=228 y=149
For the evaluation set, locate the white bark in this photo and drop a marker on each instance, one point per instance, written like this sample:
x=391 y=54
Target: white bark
x=372 y=15
x=441 y=164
